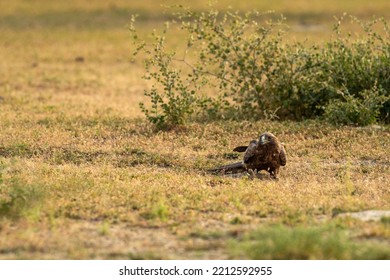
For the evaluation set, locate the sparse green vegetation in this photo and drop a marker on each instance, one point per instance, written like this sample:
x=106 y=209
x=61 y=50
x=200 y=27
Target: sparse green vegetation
x=363 y=109
x=305 y=243
x=256 y=73
x=18 y=199
x=84 y=175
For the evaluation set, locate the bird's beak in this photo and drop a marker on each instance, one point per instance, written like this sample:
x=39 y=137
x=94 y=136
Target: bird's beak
x=264 y=140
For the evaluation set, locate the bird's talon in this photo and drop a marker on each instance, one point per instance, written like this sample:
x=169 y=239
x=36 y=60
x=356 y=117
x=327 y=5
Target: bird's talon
x=251 y=173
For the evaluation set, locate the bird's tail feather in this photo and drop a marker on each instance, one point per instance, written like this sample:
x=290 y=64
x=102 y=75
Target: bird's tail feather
x=237 y=167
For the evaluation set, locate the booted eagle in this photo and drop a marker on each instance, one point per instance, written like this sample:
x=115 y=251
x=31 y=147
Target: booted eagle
x=267 y=153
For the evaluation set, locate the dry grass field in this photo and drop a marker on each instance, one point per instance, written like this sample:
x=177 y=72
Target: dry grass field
x=83 y=175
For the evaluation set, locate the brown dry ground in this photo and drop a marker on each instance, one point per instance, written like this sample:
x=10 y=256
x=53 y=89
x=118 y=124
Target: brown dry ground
x=84 y=176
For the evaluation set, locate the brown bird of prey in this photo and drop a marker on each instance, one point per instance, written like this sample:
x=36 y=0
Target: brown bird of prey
x=267 y=153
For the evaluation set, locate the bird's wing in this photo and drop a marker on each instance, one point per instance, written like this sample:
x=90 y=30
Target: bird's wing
x=250 y=151
x=282 y=156
x=240 y=149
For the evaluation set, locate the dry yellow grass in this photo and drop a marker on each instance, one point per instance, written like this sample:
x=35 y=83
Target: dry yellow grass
x=98 y=182
x=104 y=171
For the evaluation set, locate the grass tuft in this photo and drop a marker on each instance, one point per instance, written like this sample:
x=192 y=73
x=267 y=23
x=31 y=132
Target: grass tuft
x=305 y=243
x=20 y=200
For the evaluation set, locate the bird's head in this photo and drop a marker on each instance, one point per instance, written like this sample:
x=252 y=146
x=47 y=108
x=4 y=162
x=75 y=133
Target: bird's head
x=266 y=138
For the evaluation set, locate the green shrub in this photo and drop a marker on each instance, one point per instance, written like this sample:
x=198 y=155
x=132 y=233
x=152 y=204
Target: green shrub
x=357 y=76
x=245 y=60
x=174 y=95
x=237 y=54
x=363 y=109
